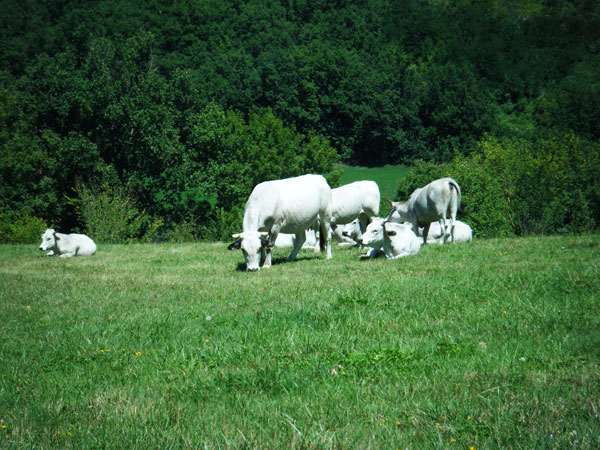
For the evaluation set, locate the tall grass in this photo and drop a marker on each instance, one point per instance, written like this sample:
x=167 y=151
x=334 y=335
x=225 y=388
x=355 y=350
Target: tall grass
x=492 y=344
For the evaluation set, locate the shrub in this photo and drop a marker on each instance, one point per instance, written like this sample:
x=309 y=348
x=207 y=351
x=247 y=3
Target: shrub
x=111 y=215
x=422 y=174
x=20 y=228
x=483 y=205
x=551 y=185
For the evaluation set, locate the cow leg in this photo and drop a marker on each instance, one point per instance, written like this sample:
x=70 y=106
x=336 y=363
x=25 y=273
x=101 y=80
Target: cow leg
x=298 y=243
x=425 y=232
x=415 y=228
x=325 y=237
x=268 y=249
x=442 y=222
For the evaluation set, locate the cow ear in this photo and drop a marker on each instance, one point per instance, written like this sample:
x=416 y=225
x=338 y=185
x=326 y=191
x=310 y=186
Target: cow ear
x=56 y=237
x=235 y=245
x=390 y=233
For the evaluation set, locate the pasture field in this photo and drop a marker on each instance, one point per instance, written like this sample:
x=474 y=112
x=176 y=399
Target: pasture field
x=386 y=177
x=492 y=344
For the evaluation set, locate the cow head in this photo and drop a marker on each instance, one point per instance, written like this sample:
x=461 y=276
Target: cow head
x=352 y=230
x=398 y=213
x=251 y=243
x=49 y=239
x=373 y=235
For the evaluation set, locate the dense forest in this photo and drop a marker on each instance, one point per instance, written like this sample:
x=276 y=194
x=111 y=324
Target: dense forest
x=156 y=118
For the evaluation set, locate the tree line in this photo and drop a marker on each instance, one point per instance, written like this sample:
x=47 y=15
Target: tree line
x=172 y=111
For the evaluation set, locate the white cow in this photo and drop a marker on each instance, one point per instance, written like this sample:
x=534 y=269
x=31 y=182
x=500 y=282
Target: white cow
x=290 y=205
x=399 y=240
x=373 y=237
x=462 y=233
x=359 y=199
x=341 y=238
x=429 y=204
x=67 y=245
x=352 y=231
x=288 y=240
x=395 y=239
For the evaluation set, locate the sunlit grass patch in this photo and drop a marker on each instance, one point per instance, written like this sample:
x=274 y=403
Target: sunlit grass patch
x=491 y=344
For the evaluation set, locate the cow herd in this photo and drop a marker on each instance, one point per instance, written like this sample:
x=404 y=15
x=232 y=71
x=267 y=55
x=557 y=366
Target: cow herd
x=305 y=212
x=289 y=212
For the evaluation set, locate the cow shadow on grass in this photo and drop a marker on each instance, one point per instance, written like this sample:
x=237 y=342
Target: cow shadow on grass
x=275 y=261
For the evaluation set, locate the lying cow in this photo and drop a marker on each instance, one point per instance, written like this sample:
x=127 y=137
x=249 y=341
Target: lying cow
x=288 y=240
x=462 y=233
x=373 y=237
x=67 y=245
x=290 y=205
x=429 y=204
x=352 y=231
x=338 y=233
x=395 y=239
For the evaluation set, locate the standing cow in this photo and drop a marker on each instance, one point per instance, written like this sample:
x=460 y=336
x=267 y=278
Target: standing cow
x=290 y=205
x=67 y=245
x=359 y=199
x=429 y=204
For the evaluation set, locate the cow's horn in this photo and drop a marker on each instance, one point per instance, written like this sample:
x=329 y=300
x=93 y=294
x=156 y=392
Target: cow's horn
x=264 y=233
x=236 y=235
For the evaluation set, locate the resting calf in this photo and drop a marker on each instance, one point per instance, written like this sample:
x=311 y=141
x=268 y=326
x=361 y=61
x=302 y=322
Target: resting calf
x=395 y=239
x=67 y=245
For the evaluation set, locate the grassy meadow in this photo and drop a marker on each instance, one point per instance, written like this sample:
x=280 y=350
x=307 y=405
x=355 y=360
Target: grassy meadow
x=492 y=344
x=386 y=177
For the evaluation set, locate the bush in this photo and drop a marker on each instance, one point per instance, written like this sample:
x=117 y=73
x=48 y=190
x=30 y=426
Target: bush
x=422 y=174
x=483 y=205
x=20 y=228
x=551 y=185
x=111 y=215
x=521 y=186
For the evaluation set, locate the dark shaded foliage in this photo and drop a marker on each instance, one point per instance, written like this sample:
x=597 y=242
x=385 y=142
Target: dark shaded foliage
x=186 y=105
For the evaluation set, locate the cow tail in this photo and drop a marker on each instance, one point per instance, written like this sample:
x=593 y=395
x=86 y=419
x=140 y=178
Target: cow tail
x=454 y=184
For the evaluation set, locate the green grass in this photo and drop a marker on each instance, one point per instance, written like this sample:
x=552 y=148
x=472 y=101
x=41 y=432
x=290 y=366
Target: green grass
x=492 y=344
x=386 y=177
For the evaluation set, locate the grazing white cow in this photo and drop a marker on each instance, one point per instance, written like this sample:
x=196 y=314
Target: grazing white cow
x=290 y=205
x=67 y=245
x=462 y=233
x=359 y=199
x=395 y=239
x=429 y=204
x=288 y=240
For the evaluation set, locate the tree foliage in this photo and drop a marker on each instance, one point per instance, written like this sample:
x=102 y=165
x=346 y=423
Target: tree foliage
x=513 y=186
x=188 y=104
